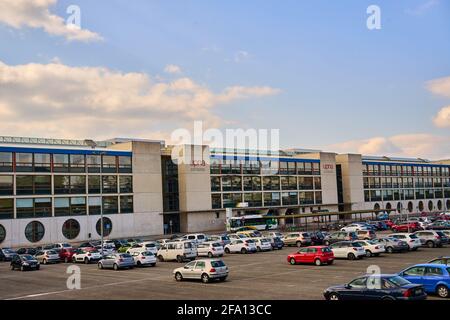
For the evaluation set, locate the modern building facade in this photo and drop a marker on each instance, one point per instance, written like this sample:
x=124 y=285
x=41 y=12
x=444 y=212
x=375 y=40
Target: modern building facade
x=54 y=190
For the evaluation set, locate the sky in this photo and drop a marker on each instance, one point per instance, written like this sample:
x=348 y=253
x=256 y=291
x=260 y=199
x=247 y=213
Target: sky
x=312 y=69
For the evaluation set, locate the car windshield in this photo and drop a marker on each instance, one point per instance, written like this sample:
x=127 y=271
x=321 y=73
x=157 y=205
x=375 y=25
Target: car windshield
x=265 y=240
x=356 y=244
x=217 y=264
x=216 y=245
x=250 y=241
x=66 y=245
x=51 y=252
x=150 y=245
x=305 y=234
x=440 y=233
x=147 y=254
x=27 y=257
x=225 y=238
x=399 y=281
x=326 y=249
x=8 y=251
x=125 y=255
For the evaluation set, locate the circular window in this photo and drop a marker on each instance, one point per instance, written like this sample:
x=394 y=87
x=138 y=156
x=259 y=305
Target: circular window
x=421 y=207
x=388 y=206
x=2 y=233
x=71 y=229
x=430 y=206
x=410 y=207
x=376 y=208
x=107 y=226
x=34 y=231
x=439 y=205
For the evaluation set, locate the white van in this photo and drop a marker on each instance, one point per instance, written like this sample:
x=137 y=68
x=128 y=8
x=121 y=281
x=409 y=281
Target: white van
x=210 y=249
x=179 y=251
x=197 y=238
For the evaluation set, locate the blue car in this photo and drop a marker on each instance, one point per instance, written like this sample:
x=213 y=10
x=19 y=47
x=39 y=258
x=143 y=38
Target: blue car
x=435 y=278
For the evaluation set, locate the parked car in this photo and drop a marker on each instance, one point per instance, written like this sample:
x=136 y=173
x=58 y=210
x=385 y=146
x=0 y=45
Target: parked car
x=66 y=255
x=263 y=244
x=354 y=227
x=107 y=248
x=372 y=248
x=410 y=238
x=119 y=243
x=24 y=262
x=378 y=225
x=316 y=254
x=241 y=246
x=273 y=234
x=30 y=251
x=7 y=254
x=377 y=287
x=87 y=245
x=238 y=236
x=366 y=234
x=210 y=249
x=435 y=278
x=317 y=238
x=116 y=261
x=340 y=236
x=133 y=241
x=446 y=232
x=144 y=258
x=196 y=238
x=429 y=238
x=406 y=227
x=204 y=270
x=276 y=243
x=86 y=255
x=223 y=239
x=350 y=250
x=250 y=233
x=179 y=251
x=298 y=239
x=62 y=245
x=439 y=225
x=47 y=256
x=441 y=260
x=151 y=246
x=392 y=245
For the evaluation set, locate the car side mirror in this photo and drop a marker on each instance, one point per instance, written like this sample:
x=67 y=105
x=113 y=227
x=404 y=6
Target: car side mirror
x=347 y=286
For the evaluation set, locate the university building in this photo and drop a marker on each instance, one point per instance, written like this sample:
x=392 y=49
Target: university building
x=54 y=190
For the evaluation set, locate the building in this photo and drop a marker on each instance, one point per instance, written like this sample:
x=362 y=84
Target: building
x=54 y=190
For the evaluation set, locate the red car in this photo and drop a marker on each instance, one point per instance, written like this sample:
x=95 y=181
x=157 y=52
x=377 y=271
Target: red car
x=389 y=223
x=315 y=254
x=66 y=255
x=404 y=227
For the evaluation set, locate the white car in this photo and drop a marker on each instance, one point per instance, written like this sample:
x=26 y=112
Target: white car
x=238 y=236
x=372 y=248
x=241 y=246
x=263 y=244
x=411 y=239
x=179 y=251
x=62 y=245
x=275 y=234
x=107 y=248
x=150 y=246
x=86 y=256
x=197 y=238
x=144 y=258
x=210 y=249
x=348 y=250
x=204 y=270
x=354 y=227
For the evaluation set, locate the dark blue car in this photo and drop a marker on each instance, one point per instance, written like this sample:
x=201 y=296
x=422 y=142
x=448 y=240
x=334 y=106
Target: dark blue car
x=434 y=277
x=377 y=287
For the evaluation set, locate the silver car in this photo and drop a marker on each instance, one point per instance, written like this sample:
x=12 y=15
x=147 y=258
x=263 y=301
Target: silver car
x=47 y=256
x=204 y=270
x=116 y=261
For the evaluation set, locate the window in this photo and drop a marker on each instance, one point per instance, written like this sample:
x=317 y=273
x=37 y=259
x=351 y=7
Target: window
x=125 y=164
x=109 y=184
x=109 y=164
x=6 y=186
x=126 y=184
x=305 y=183
x=289 y=183
x=110 y=205
x=317 y=183
x=215 y=184
x=95 y=205
x=24 y=162
x=252 y=183
x=34 y=231
x=107 y=226
x=42 y=185
x=316 y=168
x=77 y=163
x=93 y=163
x=415 y=271
x=359 y=283
x=6 y=208
x=77 y=184
x=306 y=197
x=2 y=233
x=6 y=162
x=216 y=201
x=24 y=208
x=272 y=199
x=318 y=196
x=230 y=200
x=271 y=183
x=231 y=183
x=62 y=207
x=289 y=198
x=94 y=184
x=126 y=204
x=214 y=166
x=43 y=207
x=60 y=163
x=78 y=206
x=433 y=272
x=200 y=265
x=61 y=184
x=253 y=199
x=71 y=229
x=42 y=162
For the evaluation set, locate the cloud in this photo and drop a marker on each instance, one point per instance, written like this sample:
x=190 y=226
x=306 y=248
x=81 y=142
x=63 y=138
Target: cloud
x=420 y=145
x=173 y=69
x=442 y=119
x=422 y=8
x=64 y=101
x=441 y=87
x=241 y=56
x=36 y=14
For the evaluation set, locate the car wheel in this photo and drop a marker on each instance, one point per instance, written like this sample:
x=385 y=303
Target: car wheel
x=161 y=258
x=333 y=296
x=368 y=253
x=243 y=251
x=138 y=264
x=292 y=261
x=223 y=279
x=330 y=262
x=115 y=267
x=152 y=264
x=351 y=256
x=179 y=259
x=442 y=291
x=430 y=244
x=227 y=251
x=258 y=249
x=44 y=261
x=66 y=260
x=38 y=267
x=390 y=249
x=178 y=276
x=318 y=262
x=205 y=278
x=327 y=243
x=86 y=260
x=100 y=266
x=298 y=243
x=210 y=255
x=12 y=267
x=74 y=260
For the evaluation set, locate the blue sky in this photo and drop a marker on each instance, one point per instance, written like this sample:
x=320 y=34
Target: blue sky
x=338 y=85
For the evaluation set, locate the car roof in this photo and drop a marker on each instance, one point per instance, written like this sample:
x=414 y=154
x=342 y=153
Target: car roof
x=435 y=265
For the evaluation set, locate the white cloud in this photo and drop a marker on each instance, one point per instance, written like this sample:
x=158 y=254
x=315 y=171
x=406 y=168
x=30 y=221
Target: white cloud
x=173 y=69
x=36 y=14
x=241 y=56
x=406 y=145
x=441 y=87
x=59 y=100
x=442 y=119
x=422 y=8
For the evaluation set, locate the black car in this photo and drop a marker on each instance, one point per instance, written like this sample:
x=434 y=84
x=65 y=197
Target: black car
x=2 y=256
x=31 y=251
x=441 y=260
x=24 y=262
x=277 y=243
x=377 y=287
x=317 y=238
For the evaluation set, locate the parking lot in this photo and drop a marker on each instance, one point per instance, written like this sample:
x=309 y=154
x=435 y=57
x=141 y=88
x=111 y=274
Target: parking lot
x=253 y=276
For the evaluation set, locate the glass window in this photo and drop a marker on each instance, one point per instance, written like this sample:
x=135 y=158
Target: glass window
x=271 y=183
x=306 y=197
x=6 y=208
x=316 y=168
x=230 y=200
x=77 y=163
x=317 y=183
x=42 y=185
x=318 y=196
x=305 y=183
x=62 y=207
x=61 y=163
x=289 y=183
x=253 y=199
x=93 y=163
x=272 y=199
x=126 y=204
x=252 y=183
x=6 y=162
x=107 y=226
x=215 y=183
x=126 y=184
x=78 y=206
x=94 y=184
x=43 y=207
x=71 y=229
x=216 y=201
x=24 y=185
x=61 y=184
x=77 y=184
x=289 y=198
x=94 y=205
x=42 y=162
x=6 y=186
x=2 y=233
x=24 y=208
x=415 y=271
x=24 y=162
x=34 y=231
x=125 y=164
x=110 y=205
x=109 y=164
x=109 y=184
